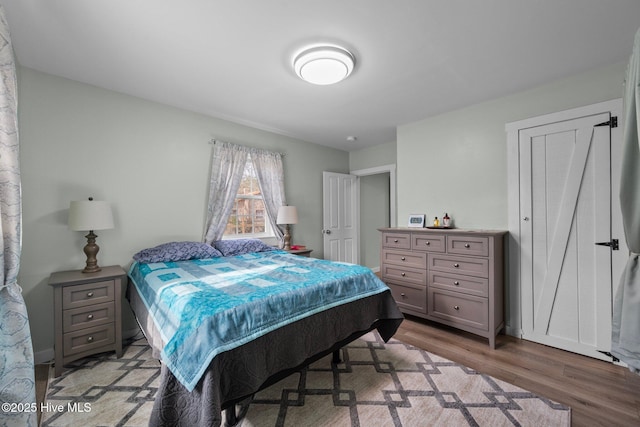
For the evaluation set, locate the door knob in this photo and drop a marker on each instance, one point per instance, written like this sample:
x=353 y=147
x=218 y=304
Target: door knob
x=326 y=231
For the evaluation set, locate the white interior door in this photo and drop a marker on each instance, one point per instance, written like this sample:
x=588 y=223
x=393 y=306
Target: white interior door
x=340 y=216
x=565 y=209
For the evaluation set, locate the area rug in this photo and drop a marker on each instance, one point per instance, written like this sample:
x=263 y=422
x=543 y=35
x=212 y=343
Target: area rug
x=377 y=384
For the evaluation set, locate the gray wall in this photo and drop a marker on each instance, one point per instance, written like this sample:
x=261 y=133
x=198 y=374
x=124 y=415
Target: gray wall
x=149 y=160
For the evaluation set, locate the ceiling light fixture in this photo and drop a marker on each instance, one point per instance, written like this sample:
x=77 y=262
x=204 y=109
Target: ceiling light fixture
x=324 y=65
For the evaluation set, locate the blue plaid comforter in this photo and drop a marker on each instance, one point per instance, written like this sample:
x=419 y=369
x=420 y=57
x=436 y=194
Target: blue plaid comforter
x=208 y=306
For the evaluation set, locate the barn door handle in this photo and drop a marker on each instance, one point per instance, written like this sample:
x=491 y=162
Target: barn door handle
x=613 y=244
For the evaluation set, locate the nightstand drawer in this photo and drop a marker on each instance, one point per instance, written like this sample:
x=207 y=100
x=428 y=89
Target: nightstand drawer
x=403 y=274
x=460 y=265
x=89 y=316
x=410 y=297
x=88 y=294
x=468 y=245
x=88 y=339
x=458 y=309
x=458 y=283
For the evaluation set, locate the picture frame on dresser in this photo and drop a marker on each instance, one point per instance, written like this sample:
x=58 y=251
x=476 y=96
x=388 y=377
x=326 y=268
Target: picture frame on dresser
x=416 y=220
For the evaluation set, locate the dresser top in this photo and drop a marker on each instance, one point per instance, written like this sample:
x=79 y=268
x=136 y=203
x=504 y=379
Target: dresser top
x=444 y=231
x=77 y=276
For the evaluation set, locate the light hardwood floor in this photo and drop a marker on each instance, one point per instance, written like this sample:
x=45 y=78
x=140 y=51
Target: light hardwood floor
x=599 y=393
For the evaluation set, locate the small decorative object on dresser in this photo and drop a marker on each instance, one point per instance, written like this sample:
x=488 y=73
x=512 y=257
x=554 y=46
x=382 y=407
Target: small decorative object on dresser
x=416 y=220
x=87 y=313
x=454 y=277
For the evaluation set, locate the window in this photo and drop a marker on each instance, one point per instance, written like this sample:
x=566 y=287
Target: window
x=249 y=216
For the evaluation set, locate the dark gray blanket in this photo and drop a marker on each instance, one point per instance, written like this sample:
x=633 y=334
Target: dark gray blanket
x=238 y=373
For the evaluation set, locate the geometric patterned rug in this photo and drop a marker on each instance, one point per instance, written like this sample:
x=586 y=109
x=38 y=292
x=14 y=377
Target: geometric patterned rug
x=376 y=384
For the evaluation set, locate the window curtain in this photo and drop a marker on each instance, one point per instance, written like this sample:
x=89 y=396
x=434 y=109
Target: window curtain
x=227 y=168
x=268 y=166
x=625 y=335
x=17 y=384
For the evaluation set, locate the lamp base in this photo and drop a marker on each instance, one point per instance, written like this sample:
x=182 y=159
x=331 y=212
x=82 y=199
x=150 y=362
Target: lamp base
x=91 y=250
x=287 y=239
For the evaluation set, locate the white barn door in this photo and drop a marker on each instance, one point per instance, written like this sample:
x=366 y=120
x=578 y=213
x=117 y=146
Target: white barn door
x=340 y=217
x=565 y=195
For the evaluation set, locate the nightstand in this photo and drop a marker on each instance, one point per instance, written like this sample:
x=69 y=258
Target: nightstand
x=301 y=252
x=87 y=313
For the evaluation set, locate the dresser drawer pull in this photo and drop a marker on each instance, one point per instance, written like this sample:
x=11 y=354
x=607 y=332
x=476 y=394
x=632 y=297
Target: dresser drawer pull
x=403 y=274
x=89 y=338
x=456 y=307
x=89 y=316
x=395 y=241
x=402 y=295
x=427 y=243
x=456 y=265
x=466 y=245
x=403 y=258
x=89 y=294
x=456 y=283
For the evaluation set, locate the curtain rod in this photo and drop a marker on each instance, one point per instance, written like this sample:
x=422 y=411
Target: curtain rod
x=213 y=141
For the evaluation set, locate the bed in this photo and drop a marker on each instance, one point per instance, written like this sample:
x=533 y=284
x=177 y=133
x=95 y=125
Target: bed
x=229 y=320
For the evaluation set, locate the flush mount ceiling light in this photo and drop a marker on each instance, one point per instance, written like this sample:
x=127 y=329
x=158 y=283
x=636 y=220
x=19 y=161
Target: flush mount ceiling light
x=324 y=65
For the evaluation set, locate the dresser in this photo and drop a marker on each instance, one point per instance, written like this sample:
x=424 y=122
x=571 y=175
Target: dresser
x=451 y=276
x=87 y=313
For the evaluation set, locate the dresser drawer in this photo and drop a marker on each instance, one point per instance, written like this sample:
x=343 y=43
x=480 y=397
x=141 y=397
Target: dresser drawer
x=459 y=265
x=468 y=245
x=404 y=274
x=86 y=317
x=404 y=258
x=88 y=294
x=458 y=283
x=409 y=297
x=396 y=240
x=428 y=242
x=459 y=309
x=88 y=339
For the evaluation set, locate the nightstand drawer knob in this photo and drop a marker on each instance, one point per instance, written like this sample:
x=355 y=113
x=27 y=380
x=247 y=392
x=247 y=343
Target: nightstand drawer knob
x=403 y=258
x=89 y=316
x=456 y=265
x=402 y=295
x=466 y=245
x=456 y=307
x=456 y=283
x=89 y=294
x=395 y=241
x=89 y=338
x=403 y=274
x=427 y=243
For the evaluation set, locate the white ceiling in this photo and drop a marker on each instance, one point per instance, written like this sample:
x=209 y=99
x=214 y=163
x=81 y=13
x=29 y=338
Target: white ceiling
x=232 y=59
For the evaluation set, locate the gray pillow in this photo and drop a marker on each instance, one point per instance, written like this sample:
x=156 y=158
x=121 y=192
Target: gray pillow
x=177 y=251
x=241 y=246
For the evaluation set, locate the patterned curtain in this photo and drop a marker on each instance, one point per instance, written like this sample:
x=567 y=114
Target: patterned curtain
x=625 y=336
x=17 y=384
x=227 y=168
x=268 y=166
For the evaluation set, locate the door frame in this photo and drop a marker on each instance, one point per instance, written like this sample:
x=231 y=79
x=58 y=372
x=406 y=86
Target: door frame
x=513 y=297
x=391 y=170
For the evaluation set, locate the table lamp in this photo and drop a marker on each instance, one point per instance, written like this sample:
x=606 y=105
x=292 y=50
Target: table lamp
x=287 y=215
x=90 y=215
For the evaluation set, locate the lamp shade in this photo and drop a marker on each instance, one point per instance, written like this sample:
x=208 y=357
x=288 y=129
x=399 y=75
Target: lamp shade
x=287 y=215
x=88 y=215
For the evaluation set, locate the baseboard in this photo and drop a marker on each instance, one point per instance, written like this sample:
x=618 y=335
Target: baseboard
x=47 y=355
x=376 y=269
x=44 y=356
